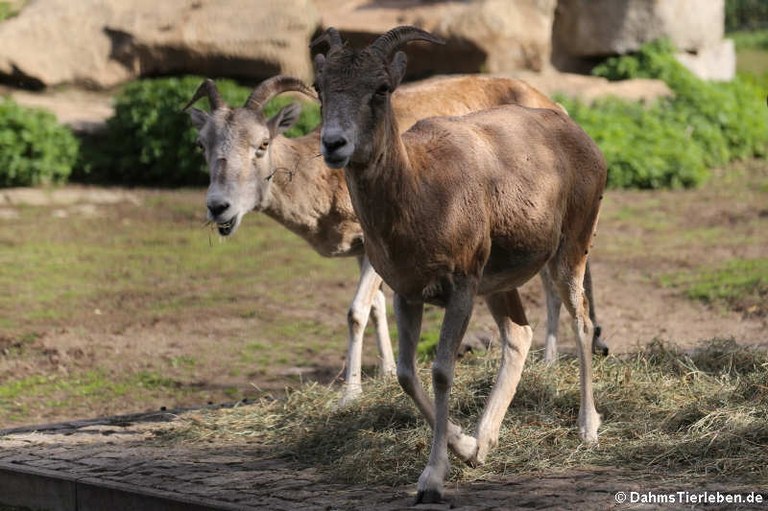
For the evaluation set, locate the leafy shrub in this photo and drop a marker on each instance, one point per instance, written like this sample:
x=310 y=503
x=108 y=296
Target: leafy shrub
x=151 y=141
x=34 y=147
x=674 y=141
x=746 y=14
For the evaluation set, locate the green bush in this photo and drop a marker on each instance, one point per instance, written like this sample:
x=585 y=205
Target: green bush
x=150 y=141
x=34 y=147
x=746 y=14
x=674 y=141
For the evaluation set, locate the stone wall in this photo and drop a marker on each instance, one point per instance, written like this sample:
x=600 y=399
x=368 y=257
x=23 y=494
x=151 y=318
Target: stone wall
x=103 y=43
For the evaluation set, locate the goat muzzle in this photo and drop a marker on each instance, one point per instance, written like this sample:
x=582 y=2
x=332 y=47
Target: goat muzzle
x=336 y=148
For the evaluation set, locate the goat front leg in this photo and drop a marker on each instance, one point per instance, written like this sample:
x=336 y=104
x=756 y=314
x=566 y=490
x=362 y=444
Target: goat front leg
x=516 y=337
x=368 y=287
x=457 y=313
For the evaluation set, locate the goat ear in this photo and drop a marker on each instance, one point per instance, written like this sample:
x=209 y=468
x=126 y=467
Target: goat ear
x=284 y=119
x=199 y=117
x=397 y=68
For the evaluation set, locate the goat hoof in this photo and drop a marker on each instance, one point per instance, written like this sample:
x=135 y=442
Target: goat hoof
x=429 y=497
x=588 y=433
x=598 y=345
x=465 y=447
x=349 y=398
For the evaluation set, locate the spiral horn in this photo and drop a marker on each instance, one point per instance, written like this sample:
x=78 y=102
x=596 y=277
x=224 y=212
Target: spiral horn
x=388 y=42
x=272 y=87
x=207 y=89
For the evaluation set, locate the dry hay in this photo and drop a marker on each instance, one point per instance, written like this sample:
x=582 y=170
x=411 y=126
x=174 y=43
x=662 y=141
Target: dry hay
x=666 y=414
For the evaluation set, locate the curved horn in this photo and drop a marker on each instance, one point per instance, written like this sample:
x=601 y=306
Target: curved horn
x=207 y=88
x=272 y=87
x=330 y=36
x=391 y=40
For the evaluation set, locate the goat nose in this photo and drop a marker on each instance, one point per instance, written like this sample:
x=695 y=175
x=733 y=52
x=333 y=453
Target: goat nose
x=217 y=207
x=334 y=141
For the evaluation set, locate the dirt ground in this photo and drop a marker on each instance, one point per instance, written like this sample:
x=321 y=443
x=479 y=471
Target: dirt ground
x=642 y=237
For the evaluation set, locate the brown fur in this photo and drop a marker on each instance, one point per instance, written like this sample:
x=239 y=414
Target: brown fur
x=315 y=203
x=460 y=206
x=291 y=184
x=510 y=183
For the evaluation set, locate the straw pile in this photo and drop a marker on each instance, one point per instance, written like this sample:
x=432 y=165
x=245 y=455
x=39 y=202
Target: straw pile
x=666 y=413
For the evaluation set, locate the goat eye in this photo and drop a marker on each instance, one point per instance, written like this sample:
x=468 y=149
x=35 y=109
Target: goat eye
x=383 y=90
x=201 y=146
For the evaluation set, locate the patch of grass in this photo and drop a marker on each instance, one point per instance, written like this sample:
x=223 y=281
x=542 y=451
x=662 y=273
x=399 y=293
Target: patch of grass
x=751 y=52
x=693 y=416
x=753 y=62
x=750 y=39
x=21 y=397
x=153 y=260
x=11 y=9
x=741 y=285
x=430 y=332
x=132 y=266
x=183 y=361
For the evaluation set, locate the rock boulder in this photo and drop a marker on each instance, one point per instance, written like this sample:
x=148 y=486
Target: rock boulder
x=585 y=31
x=102 y=43
x=598 y=28
x=482 y=35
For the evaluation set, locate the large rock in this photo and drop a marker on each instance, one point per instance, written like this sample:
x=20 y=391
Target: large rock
x=511 y=35
x=101 y=43
x=482 y=35
x=57 y=41
x=587 y=30
x=714 y=62
x=598 y=28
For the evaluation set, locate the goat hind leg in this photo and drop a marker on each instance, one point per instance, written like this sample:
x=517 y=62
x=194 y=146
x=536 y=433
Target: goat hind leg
x=553 y=316
x=357 y=317
x=598 y=344
x=516 y=337
x=570 y=281
x=383 y=341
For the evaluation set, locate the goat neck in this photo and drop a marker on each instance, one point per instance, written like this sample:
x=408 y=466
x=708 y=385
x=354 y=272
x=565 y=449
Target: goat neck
x=310 y=199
